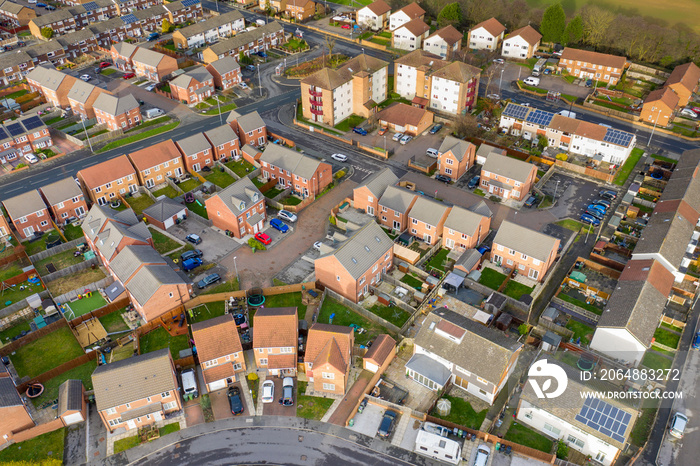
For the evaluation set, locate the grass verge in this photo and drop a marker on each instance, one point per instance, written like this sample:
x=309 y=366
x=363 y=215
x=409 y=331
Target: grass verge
x=139 y=137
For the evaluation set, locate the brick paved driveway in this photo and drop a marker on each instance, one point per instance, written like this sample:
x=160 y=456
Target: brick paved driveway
x=276 y=409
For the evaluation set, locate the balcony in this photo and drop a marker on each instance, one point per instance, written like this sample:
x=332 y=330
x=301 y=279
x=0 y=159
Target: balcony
x=317 y=102
x=316 y=112
x=315 y=93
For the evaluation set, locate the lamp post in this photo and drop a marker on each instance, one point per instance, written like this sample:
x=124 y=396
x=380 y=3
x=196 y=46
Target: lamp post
x=556 y=188
x=218 y=104
x=652 y=130
x=236 y=268
x=385 y=143
x=82 y=120
x=500 y=82
x=259 y=84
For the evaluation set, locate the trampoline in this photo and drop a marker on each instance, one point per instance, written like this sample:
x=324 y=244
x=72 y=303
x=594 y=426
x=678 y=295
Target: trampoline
x=35 y=390
x=585 y=364
x=255 y=297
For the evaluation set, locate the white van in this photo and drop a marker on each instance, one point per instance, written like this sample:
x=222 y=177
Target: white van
x=432 y=153
x=189 y=383
x=532 y=81
x=568 y=113
x=153 y=113
x=438 y=447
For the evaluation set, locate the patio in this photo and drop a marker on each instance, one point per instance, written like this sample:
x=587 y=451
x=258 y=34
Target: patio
x=420 y=397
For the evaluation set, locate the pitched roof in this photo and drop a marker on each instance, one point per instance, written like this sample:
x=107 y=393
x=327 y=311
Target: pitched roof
x=221 y=135
x=332 y=355
x=225 y=65
x=107 y=171
x=98 y=216
x=416 y=27
x=328 y=78
x=412 y=10
x=199 y=74
x=8 y=393
x=275 y=327
x=129 y=259
x=379 y=181
x=154 y=155
x=133 y=379
x=240 y=195
x=290 y=160
x=526 y=241
x=81 y=91
x=113 y=232
x=597 y=58
x=114 y=105
x=463 y=220
x=250 y=121
x=216 y=337
x=402 y=114
x=193 y=144
x=213 y=22
x=147 y=57
x=49 y=77
x=492 y=26
x=528 y=33
x=449 y=34
x=53 y=17
x=428 y=211
x=164 y=209
x=481 y=208
x=149 y=279
x=423 y=60
x=458 y=71
x=511 y=168
x=244 y=38
x=10 y=60
x=468 y=259
x=379 y=7
x=24 y=204
x=70 y=396
x=458 y=147
x=74 y=38
x=485 y=150
x=363 y=249
x=125 y=49
x=397 y=199
x=382 y=347
x=664 y=95
x=687 y=74
x=319 y=349
x=12 y=7
x=61 y=190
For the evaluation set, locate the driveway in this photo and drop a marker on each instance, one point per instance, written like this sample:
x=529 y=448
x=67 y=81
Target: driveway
x=276 y=409
x=298 y=270
x=367 y=422
x=514 y=72
x=193 y=413
x=214 y=245
x=573 y=194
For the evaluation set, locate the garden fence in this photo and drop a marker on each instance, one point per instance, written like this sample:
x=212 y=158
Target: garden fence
x=37 y=430
x=572 y=309
x=101 y=312
x=430 y=253
x=551 y=326
x=56 y=250
x=486 y=291
x=364 y=312
x=68 y=297
x=12 y=308
x=17 y=254
x=56 y=371
x=72 y=269
x=32 y=336
x=271 y=291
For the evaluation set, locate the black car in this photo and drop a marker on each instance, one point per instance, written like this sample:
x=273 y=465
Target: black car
x=387 y=424
x=234 y=400
x=443 y=178
x=208 y=280
x=474 y=182
x=609 y=195
x=435 y=128
x=190 y=255
x=530 y=201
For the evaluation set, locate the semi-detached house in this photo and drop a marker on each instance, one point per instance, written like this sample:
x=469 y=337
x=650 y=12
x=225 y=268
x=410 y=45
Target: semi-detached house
x=240 y=208
x=406 y=14
x=105 y=181
x=28 y=213
x=224 y=141
x=226 y=73
x=19 y=137
x=444 y=42
x=427 y=218
x=81 y=98
x=117 y=112
x=52 y=84
x=684 y=80
x=122 y=54
x=393 y=208
x=507 y=178
x=305 y=175
x=196 y=151
x=486 y=35
x=157 y=163
x=374 y=16
x=455 y=157
x=466 y=229
x=300 y=10
x=193 y=87
x=219 y=351
x=152 y=65
x=14 y=411
x=107 y=232
x=65 y=200
x=250 y=128
x=530 y=252
x=366 y=196
x=276 y=340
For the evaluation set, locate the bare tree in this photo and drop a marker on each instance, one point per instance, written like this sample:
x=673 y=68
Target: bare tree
x=330 y=44
x=596 y=23
x=466 y=126
x=490 y=73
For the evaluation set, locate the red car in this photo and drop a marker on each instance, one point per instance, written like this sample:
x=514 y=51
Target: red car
x=105 y=64
x=383 y=131
x=345 y=26
x=263 y=238
x=129 y=75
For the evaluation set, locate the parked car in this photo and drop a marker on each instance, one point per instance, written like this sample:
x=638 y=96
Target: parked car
x=287 y=215
x=191 y=264
x=250 y=68
x=208 y=280
x=85 y=77
x=406 y=139
x=287 y=392
x=317 y=245
x=474 y=182
x=532 y=81
x=263 y=238
x=243 y=85
x=387 y=424
x=696 y=341
x=493 y=97
x=609 y=195
x=435 y=128
x=234 y=400
x=594 y=213
x=688 y=112
x=190 y=254
x=262 y=54
x=129 y=75
x=599 y=208
x=50 y=8
x=268 y=391
x=278 y=224
x=678 y=424
x=382 y=131
x=443 y=178
x=153 y=36
x=154 y=113
x=41 y=5
x=360 y=131
x=482 y=456
x=150 y=87
x=585 y=218
x=340 y=157
x=194 y=239
x=432 y=153
x=105 y=64
x=530 y=201
x=397 y=137
x=345 y=26
x=499 y=61
x=589 y=83
x=603 y=202
x=31 y=158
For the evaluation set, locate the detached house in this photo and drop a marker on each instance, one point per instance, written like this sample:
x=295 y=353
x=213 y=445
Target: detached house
x=157 y=163
x=366 y=196
x=486 y=35
x=684 y=82
x=251 y=128
x=52 y=84
x=276 y=339
x=374 y=16
x=108 y=232
x=659 y=106
x=275 y=5
x=137 y=391
x=586 y=64
x=427 y=218
x=28 y=213
x=152 y=65
x=117 y=112
x=531 y=252
x=465 y=229
x=507 y=178
x=406 y=14
x=15 y=414
x=357 y=263
x=81 y=98
x=404 y=118
x=225 y=142
x=305 y=175
x=452 y=347
x=300 y=10
x=328 y=357
x=104 y=181
x=410 y=36
x=225 y=72
x=65 y=200
x=521 y=43
x=444 y=42
x=394 y=206
x=240 y=208
x=219 y=351
x=193 y=87
x=455 y=157
x=197 y=152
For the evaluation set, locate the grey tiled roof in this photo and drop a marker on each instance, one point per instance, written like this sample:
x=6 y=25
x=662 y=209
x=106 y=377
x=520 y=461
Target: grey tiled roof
x=507 y=166
x=482 y=209
x=125 y=49
x=243 y=38
x=24 y=204
x=81 y=91
x=8 y=393
x=131 y=258
x=147 y=281
x=108 y=240
x=464 y=221
x=250 y=121
x=428 y=211
x=667 y=234
x=10 y=60
x=70 y=396
x=211 y=23
x=164 y=209
x=199 y=74
x=147 y=57
x=47 y=76
x=526 y=241
x=469 y=259
x=240 y=195
x=225 y=65
x=61 y=190
x=221 y=135
x=458 y=147
x=193 y=144
x=397 y=199
x=113 y=105
x=99 y=215
x=363 y=249
x=379 y=181
x=290 y=160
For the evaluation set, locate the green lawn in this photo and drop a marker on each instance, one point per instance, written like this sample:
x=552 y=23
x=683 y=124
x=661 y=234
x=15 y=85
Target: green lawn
x=72 y=232
x=163 y=243
x=395 y=315
x=167 y=191
x=38 y=245
x=85 y=305
x=412 y=281
x=350 y=122
x=462 y=413
x=666 y=338
x=83 y=373
x=9 y=333
x=160 y=338
x=190 y=184
x=664 y=159
x=655 y=360
x=14 y=95
x=198 y=208
x=231 y=285
x=438 y=260
x=240 y=168
x=671 y=327
x=518 y=433
x=287 y=300
x=491 y=278
x=138 y=204
x=36 y=450
x=624 y=172
x=147 y=123
x=108 y=71
x=272 y=193
x=515 y=290
x=113 y=322
x=207 y=311
x=220 y=178
x=581 y=331
x=139 y=137
x=311 y=407
x=224 y=108
x=126 y=443
x=569 y=224
x=15 y=294
x=345 y=316
x=31 y=359
x=579 y=303
x=11 y=270
x=642 y=427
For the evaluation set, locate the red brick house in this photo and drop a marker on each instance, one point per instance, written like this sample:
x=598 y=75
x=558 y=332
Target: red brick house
x=108 y=231
x=251 y=128
x=328 y=357
x=394 y=206
x=197 y=152
x=465 y=229
x=684 y=82
x=226 y=72
x=219 y=351
x=366 y=196
x=52 y=84
x=531 y=252
x=28 y=213
x=102 y=182
x=240 y=208
x=305 y=175
x=225 y=142
x=507 y=177
x=157 y=163
x=15 y=415
x=193 y=87
x=276 y=340
x=81 y=98
x=117 y=112
x=122 y=52
x=152 y=65
x=65 y=200
x=455 y=157
x=427 y=218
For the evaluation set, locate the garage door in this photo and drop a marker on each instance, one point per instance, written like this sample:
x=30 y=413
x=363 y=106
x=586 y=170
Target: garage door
x=219 y=384
x=371 y=367
x=168 y=223
x=73 y=418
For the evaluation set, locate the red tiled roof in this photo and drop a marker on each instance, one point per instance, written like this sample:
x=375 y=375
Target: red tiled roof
x=451 y=329
x=281 y=361
x=687 y=75
x=664 y=95
x=416 y=26
x=528 y=33
x=321 y=334
x=492 y=26
x=216 y=337
x=215 y=373
x=155 y=155
x=650 y=271
x=402 y=114
x=379 y=7
x=596 y=58
x=382 y=347
x=413 y=10
x=275 y=327
x=107 y=171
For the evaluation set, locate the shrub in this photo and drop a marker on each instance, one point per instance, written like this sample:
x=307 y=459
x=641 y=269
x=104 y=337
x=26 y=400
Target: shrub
x=562 y=450
x=47 y=32
x=257 y=245
x=21 y=165
x=562 y=157
x=495 y=198
x=523 y=329
x=252 y=376
x=340 y=174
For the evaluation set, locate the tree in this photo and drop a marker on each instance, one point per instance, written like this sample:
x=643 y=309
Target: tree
x=466 y=126
x=330 y=43
x=573 y=32
x=553 y=23
x=451 y=15
x=562 y=450
x=523 y=329
x=166 y=27
x=542 y=142
x=596 y=22
x=47 y=32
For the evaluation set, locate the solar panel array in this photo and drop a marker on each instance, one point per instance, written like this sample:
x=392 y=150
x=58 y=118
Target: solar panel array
x=3 y=134
x=615 y=136
x=539 y=117
x=605 y=418
x=15 y=129
x=89 y=6
x=190 y=2
x=33 y=122
x=515 y=111
x=128 y=19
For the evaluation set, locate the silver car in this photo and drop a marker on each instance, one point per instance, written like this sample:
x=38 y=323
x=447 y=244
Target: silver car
x=287 y=215
x=397 y=136
x=406 y=139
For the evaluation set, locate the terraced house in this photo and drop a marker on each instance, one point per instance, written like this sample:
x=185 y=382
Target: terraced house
x=210 y=31
x=193 y=87
x=105 y=181
x=16 y=14
x=466 y=229
x=28 y=214
x=136 y=392
x=247 y=42
x=78 y=43
x=14 y=412
x=52 y=84
x=394 y=206
x=184 y=10
x=240 y=208
x=530 y=252
x=225 y=142
x=276 y=341
x=219 y=351
x=117 y=112
x=366 y=196
x=305 y=175
x=157 y=163
x=60 y=21
x=586 y=64
x=65 y=200
x=14 y=67
x=108 y=232
x=19 y=137
x=196 y=151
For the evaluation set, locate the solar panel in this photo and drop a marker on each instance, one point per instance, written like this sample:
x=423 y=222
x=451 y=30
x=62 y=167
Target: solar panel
x=15 y=129
x=33 y=122
x=128 y=19
x=605 y=418
x=190 y=2
x=615 y=136
x=515 y=111
x=89 y=6
x=3 y=133
x=539 y=117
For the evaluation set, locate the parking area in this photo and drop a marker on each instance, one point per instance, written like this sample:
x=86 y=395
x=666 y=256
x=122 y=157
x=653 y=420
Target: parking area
x=221 y=407
x=557 y=231
x=301 y=268
x=367 y=422
x=275 y=408
x=214 y=245
x=514 y=72
x=572 y=194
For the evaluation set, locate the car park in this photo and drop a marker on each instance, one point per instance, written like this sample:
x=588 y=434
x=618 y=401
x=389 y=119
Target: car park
x=435 y=128
x=406 y=139
x=594 y=213
x=85 y=77
x=31 y=158
x=263 y=238
x=678 y=425
x=443 y=178
x=287 y=392
x=340 y=157
x=387 y=424
x=279 y=225
x=382 y=131
x=397 y=137
x=360 y=131
x=129 y=75
x=194 y=239
x=609 y=195
x=268 y=391
x=432 y=153
x=474 y=182
x=208 y=280
x=585 y=218
x=287 y=215
x=234 y=400
x=190 y=254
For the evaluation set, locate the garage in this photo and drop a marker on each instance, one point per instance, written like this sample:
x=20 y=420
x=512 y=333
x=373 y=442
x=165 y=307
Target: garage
x=218 y=385
x=165 y=213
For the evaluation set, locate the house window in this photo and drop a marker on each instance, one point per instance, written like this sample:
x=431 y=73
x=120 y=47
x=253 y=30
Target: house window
x=524 y=256
x=414 y=221
x=574 y=441
x=448 y=161
x=237 y=366
x=165 y=394
x=287 y=350
x=329 y=386
x=111 y=411
x=263 y=361
x=552 y=429
x=328 y=375
x=115 y=422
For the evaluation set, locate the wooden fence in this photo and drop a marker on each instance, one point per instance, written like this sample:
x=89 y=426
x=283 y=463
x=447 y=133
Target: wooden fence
x=363 y=312
x=101 y=312
x=21 y=304
x=72 y=269
x=56 y=249
x=598 y=175
x=32 y=336
x=37 y=430
x=68 y=297
x=17 y=254
x=271 y=291
x=56 y=371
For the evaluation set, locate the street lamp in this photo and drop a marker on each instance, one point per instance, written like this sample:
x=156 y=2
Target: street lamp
x=259 y=84
x=500 y=82
x=556 y=188
x=236 y=267
x=82 y=120
x=652 y=130
x=385 y=143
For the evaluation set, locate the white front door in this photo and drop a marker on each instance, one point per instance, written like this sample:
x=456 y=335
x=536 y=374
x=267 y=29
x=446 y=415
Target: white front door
x=255 y=228
x=150 y=183
x=178 y=171
x=131 y=424
x=427 y=238
x=195 y=167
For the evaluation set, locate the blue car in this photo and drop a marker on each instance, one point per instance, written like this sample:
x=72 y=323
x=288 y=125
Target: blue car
x=360 y=131
x=603 y=204
x=41 y=5
x=585 y=218
x=598 y=207
x=696 y=341
x=262 y=54
x=277 y=224
x=594 y=213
